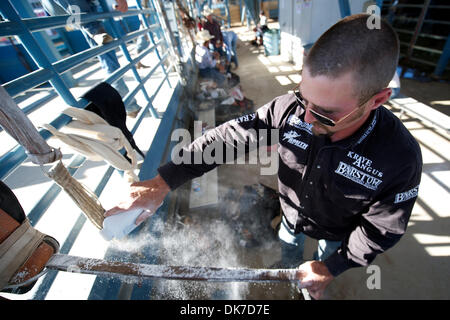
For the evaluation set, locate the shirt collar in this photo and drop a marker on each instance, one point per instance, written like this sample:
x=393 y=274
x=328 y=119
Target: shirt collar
x=362 y=133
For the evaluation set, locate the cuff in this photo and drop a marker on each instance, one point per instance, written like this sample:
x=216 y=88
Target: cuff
x=172 y=176
x=337 y=263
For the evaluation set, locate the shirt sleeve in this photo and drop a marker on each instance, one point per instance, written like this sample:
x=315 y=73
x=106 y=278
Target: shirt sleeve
x=382 y=226
x=244 y=133
x=209 y=60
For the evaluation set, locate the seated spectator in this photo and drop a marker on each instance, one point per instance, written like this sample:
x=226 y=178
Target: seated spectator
x=261 y=27
x=221 y=49
x=208 y=62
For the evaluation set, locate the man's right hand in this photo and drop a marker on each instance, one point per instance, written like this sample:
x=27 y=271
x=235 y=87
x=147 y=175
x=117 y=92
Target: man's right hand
x=147 y=195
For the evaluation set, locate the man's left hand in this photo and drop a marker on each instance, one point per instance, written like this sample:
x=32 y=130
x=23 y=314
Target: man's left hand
x=315 y=277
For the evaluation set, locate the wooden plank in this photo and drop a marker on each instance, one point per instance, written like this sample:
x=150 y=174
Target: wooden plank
x=204 y=189
x=63 y=262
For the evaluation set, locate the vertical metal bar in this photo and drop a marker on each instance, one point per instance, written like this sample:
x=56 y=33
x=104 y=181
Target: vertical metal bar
x=418 y=28
x=147 y=25
x=128 y=57
x=344 y=7
x=443 y=60
x=241 y=12
x=24 y=10
x=191 y=9
x=33 y=48
x=227 y=8
x=159 y=6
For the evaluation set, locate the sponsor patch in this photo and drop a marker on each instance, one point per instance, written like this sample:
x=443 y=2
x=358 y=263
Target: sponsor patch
x=405 y=196
x=358 y=176
x=245 y=118
x=299 y=124
x=291 y=136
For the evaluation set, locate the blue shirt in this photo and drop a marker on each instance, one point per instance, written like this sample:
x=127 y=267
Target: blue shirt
x=204 y=58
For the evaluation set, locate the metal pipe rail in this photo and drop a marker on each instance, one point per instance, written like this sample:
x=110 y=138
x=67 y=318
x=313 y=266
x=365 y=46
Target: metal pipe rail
x=12 y=28
x=442 y=53
x=52 y=71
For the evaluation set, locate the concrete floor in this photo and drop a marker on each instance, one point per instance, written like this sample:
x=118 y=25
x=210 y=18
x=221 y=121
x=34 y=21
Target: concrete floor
x=418 y=266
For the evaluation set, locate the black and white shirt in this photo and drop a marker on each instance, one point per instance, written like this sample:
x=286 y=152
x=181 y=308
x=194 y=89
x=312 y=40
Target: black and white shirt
x=359 y=190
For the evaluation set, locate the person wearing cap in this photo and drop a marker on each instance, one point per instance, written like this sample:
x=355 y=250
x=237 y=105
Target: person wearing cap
x=208 y=62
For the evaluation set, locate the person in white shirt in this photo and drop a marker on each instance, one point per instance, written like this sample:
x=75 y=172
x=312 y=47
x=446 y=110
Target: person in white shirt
x=261 y=27
x=208 y=62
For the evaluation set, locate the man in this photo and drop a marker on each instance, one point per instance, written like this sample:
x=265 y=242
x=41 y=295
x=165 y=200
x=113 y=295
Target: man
x=95 y=34
x=209 y=65
x=212 y=26
x=230 y=38
x=349 y=170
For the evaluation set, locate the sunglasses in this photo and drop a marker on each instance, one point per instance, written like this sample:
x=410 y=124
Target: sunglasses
x=320 y=117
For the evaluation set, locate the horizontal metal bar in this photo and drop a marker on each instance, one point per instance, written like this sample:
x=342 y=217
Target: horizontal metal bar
x=425 y=35
x=420 y=6
x=428 y=49
x=130 y=96
x=35 y=78
x=50 y=195
x=425 y=21
x=422 y=48
x=76 y=59
x=11 y=160
x=11 y=28
x=116 y=75
x=39 y=103
x=423 y=61
x=14 y=158
x=28 y=81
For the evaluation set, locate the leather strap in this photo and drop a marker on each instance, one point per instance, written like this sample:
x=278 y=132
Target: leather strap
x=16 y=249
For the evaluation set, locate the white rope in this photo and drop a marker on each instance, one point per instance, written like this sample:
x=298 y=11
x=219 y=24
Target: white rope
x=91 y=136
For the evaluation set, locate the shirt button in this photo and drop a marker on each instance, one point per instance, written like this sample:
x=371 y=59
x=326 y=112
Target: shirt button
x=306 y=196
x=310 y=182
x=318 y=166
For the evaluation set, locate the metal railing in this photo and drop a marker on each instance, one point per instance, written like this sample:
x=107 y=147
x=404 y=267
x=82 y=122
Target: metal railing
x=52 y=72
x=422 y=47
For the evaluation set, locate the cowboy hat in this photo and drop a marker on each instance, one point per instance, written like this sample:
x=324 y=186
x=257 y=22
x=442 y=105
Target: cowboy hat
x=203 y=36
x=207 y=11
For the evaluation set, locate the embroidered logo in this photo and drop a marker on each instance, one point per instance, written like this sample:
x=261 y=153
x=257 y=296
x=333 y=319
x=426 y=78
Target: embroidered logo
x=364 y=164
x=358 y=176
x=290 y=137
x=245 y=118
x=299 y=124
x=405 y=196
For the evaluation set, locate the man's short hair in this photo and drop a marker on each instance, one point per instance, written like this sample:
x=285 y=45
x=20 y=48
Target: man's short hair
x=349 y=45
